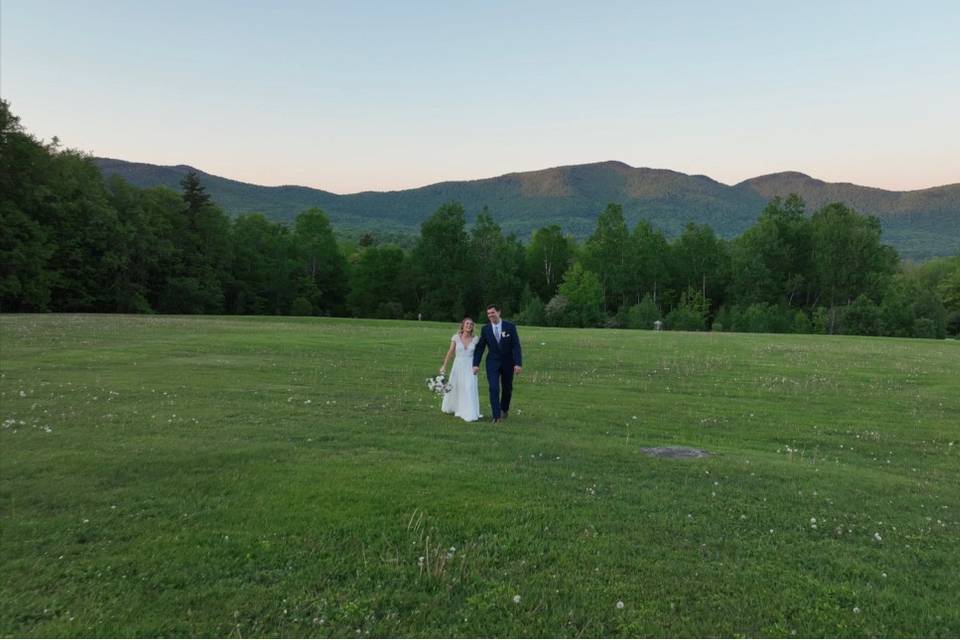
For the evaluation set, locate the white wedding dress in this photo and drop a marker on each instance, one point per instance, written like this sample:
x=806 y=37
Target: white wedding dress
x=463 y=400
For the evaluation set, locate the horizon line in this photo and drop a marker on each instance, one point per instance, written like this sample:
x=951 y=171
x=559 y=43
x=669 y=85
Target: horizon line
x=516 y=172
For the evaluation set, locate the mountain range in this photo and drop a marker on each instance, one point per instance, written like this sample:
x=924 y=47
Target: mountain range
x=920 y=224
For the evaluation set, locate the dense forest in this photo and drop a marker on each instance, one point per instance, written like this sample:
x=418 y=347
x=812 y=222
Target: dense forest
x=73 y=241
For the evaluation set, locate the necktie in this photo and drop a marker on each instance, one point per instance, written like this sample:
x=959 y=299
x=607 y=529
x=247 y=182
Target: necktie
x=496 y=330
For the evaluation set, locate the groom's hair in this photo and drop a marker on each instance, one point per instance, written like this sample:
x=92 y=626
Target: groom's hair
x=495 y=307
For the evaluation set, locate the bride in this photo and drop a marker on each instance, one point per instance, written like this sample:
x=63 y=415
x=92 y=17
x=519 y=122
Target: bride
x=463 y=399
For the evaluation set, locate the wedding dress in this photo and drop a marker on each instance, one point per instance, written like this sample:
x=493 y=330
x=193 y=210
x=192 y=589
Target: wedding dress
x=463 y=399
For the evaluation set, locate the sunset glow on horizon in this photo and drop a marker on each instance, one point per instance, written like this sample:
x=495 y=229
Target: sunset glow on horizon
x=349 y=97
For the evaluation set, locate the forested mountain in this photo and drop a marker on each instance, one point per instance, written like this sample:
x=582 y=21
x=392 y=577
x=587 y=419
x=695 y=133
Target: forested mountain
x=919 y=224
x=75 y=241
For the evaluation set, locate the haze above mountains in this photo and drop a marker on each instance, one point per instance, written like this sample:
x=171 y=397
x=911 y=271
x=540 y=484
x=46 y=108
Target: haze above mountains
x=920 y=224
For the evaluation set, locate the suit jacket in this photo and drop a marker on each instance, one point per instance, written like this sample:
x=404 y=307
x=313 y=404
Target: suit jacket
x=506 y=353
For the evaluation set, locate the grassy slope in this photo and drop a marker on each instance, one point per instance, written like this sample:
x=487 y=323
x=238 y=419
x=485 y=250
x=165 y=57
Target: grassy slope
x=261 y=476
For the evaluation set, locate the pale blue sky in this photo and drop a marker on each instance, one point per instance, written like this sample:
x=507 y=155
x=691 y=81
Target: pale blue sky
x=348 y=96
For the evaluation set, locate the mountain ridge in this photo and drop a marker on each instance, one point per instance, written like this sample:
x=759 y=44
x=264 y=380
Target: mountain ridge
x=919 y=223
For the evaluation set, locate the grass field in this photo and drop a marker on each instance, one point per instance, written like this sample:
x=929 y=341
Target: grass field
x=294 y=477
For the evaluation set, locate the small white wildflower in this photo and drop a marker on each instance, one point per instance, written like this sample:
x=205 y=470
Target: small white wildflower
x=856 y=610
x=883 y=575
x=619 y=604
x=876 y=536
x=516 y=599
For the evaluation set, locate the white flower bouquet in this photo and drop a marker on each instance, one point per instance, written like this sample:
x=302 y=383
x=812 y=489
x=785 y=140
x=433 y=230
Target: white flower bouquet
x=439 y=385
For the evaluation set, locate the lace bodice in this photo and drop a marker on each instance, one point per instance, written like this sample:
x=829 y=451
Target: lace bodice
x=462 y=351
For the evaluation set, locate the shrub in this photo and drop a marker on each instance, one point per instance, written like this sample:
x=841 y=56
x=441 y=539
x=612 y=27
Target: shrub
x=821 y=320
x=301 y=307
x=690 y=314
x=643 y=315
x=557 y=312
x=533 y=313
x=721 y=322
x=861 y=317
x=925 y=328
x=801 y=323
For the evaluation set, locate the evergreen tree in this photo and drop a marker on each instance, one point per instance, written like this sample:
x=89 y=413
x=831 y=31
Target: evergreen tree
x=26 y=242
x=321 y=266
x=691 y=313
x=377 y=283
x=443 y=263
x=608 y=254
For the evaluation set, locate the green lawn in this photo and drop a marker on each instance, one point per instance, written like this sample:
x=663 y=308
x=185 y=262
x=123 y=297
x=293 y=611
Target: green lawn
x=186 y=476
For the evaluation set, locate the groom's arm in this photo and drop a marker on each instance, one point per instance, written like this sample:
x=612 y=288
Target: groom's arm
x=517 y=352
x=478 y=350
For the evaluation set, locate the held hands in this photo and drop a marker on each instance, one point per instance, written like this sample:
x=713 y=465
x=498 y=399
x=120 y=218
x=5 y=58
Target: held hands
x=517 y=368
x=475 y=370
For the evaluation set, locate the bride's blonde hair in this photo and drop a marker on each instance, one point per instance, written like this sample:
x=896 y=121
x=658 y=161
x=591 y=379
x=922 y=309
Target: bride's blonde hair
x=463 y=322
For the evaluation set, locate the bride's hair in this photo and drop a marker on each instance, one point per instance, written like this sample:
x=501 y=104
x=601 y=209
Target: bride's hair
x=463 y=322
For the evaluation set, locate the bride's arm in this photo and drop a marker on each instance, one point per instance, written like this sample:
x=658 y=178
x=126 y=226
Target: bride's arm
x=453 y=346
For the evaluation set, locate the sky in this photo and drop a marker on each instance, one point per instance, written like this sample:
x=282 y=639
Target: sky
x=354 y=96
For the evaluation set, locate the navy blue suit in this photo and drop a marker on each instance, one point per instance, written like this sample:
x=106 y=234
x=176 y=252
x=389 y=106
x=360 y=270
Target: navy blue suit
x=503 y=356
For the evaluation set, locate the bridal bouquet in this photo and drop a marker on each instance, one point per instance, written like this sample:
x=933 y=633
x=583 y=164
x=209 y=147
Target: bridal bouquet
x=439 y=385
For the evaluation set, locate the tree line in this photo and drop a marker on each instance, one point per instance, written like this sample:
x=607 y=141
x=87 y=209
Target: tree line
x=75 y=242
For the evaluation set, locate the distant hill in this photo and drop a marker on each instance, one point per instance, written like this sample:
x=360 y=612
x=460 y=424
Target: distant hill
x=920 y=224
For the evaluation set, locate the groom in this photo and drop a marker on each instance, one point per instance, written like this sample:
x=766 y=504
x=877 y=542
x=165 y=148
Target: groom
x=503 y=361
